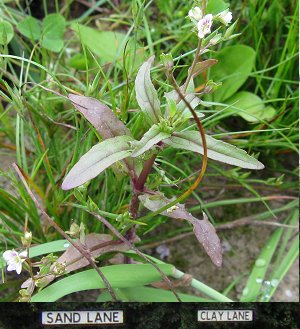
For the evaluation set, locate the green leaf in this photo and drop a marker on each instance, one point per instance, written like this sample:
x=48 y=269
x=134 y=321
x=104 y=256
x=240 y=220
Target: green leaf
x=146 y=95
x=78 y=62
x=53 y=32
x=147 y=294
x=235 y=63
x=6 y=33
x=151 y=138
x=105 y=44
x=30 y=27
x=217 y=150
x=48 y=247
x=255 y=280
x=252 y=107
x=216 y=6
x=97 y=159
x=119 y=276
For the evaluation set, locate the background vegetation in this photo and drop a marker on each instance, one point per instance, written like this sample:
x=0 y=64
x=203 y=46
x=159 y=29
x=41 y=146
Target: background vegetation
x=41 y=132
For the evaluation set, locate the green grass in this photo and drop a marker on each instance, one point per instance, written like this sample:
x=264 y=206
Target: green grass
x=42 y=133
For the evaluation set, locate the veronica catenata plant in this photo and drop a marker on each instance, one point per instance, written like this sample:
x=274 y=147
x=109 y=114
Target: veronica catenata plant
x=168 y=121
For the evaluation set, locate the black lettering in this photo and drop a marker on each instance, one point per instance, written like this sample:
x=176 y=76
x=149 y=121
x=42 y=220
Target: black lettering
x=247 y=315
x=107 y=317
x=98 y=318
x=49 y=317
x=76 y=317
x=115 y=316
x=58 y=318
x=235 y=316
x=88 y=318
x=68 y=317
x=201 y=316
x=214 y=316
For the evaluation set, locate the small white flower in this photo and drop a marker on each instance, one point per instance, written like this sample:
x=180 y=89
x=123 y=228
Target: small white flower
x=225 y=17
x=204 y=25
x=14 y=260
x=28 y=235
x=195 y=14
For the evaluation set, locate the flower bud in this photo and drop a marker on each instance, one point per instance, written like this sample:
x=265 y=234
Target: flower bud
x=224 y=17
x=195 y=14
x=167 y=61
x=26 y=240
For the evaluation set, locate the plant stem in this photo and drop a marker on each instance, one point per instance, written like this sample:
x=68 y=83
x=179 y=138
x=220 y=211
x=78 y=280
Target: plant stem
x=203 y=288
x=138 y=187
x=85 y=253
x=191 y=70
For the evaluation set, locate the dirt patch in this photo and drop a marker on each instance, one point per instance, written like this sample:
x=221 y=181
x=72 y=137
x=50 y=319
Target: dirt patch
x=241 y=248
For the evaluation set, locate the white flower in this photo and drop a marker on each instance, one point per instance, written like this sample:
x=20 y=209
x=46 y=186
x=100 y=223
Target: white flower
x=195 y=14
x=225 y=17
x=14 y=260
x=204 y=25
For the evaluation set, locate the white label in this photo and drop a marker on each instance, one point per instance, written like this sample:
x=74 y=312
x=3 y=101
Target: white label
x=82 y=317
x=225 y=315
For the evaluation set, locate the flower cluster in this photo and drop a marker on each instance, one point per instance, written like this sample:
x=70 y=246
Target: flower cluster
x=14 y=260
x=204 y=23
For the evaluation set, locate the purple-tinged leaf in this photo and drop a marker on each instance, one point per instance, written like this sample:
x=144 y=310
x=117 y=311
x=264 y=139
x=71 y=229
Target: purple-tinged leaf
x=203 y=66
x=146 y=95
x=217 y=150
x=203 y=229
x=100 y=116
x=97 y=244
x=97 y=159
x=151 y=138
x=105 y=122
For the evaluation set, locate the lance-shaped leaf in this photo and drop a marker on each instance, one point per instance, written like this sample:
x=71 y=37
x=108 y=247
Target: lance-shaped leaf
x=105 y=122
x=97 y=159
x=153 y=136
x=72 y=259
x=217 y=150
x=100 y=116
x=203 y=66
x=146 y=95
x=203 y=229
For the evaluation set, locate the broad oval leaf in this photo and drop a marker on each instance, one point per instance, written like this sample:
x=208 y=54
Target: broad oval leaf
x=53 y=32
x=153 y=136
x=203 y=229
x=108 y=45
x=252 y=107
x=216 y=6
x=146 y=95
x=30 y=27
x=6 y=33
x=97 y=159
x=235 y=63
x=119 y=276
x=216 y=149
